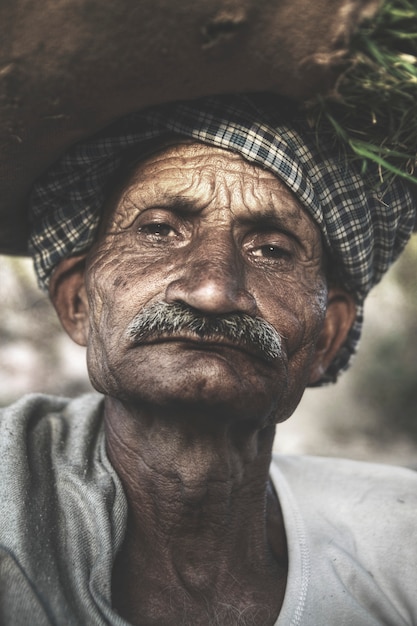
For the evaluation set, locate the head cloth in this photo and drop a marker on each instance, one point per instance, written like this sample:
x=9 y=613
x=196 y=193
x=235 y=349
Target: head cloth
x=363 y=226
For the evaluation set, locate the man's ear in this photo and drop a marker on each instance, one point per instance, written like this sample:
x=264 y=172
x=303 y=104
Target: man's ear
x=340 y=315
x=69 y=297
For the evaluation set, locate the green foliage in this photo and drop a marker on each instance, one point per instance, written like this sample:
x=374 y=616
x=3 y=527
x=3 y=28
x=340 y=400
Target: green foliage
x=373 y=108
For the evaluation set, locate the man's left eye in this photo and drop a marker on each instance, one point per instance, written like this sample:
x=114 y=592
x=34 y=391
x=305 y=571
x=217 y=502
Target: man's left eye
x=158 y=230
x=272 y=252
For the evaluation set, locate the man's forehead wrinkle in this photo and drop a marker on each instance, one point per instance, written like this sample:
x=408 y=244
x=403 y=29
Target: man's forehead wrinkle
x=183 y=192
x=122 y=216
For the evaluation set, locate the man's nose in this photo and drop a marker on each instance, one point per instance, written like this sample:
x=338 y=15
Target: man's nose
x=212 y=288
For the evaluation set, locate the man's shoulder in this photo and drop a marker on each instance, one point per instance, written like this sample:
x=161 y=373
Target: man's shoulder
x=45 y=441
x=328 y=474
x=43 y=422
x=42 y=403
x=63 y=510
x=367 y=505
x=354 y=524
x=344 y=485
x=34 y=406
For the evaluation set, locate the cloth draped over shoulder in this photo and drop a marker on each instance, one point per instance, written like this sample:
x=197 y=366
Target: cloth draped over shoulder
x=364 y=225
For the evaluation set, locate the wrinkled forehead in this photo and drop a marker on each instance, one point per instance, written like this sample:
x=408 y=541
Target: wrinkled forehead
x=191 y=174
x=172 y=157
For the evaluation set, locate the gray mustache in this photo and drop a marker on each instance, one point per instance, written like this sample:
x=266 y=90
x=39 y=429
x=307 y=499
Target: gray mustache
x=162 y=319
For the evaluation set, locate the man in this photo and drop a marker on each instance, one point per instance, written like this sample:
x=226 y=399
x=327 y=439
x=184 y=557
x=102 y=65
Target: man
x=224 y=271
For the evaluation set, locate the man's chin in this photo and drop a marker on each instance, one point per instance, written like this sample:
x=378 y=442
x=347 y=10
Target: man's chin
x=211 y=399
x=223 y=382
x=199 y=413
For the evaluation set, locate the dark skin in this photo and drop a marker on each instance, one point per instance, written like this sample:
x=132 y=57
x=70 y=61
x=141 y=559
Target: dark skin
x=190 y=423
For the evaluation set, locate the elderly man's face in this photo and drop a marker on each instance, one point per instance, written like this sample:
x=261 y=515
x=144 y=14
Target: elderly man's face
x=200 y=226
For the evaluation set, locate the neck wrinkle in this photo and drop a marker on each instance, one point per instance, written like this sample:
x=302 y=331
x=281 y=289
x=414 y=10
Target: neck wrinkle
x=194 y=485
x=198 y=503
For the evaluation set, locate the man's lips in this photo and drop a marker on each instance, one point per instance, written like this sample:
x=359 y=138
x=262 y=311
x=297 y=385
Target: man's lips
x=206 y=344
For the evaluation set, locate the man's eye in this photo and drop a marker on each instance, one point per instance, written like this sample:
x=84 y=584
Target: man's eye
x=158 y=230
x=272 y=252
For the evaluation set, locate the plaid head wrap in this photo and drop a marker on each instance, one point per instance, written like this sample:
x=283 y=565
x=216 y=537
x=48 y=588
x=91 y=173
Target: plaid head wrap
x=364 y=228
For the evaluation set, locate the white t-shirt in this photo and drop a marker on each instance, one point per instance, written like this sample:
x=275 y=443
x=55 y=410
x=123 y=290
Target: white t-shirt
x=352 y=541
x=351 y=527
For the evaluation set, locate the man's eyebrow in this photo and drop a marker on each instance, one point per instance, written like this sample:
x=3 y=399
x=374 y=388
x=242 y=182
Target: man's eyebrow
x=270 y=215
x=179 y=204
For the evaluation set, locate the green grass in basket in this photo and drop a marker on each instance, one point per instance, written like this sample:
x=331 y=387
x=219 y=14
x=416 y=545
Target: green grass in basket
x=373 y=108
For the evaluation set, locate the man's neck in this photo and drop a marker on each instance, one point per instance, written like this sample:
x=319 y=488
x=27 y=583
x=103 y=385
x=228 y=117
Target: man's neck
x=205 y=541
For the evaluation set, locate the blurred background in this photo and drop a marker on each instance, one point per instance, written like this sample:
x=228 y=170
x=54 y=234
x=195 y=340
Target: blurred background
x=371 y=413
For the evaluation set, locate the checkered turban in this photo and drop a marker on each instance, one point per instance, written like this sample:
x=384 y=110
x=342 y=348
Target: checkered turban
x=363 y=227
